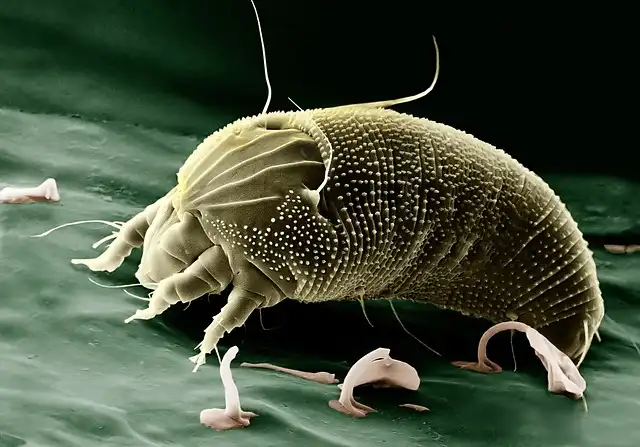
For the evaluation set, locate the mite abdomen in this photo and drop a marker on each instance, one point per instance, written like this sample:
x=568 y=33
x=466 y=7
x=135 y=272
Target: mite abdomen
x=426 y=212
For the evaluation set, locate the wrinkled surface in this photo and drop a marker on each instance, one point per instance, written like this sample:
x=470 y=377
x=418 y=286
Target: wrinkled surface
x=74 y=374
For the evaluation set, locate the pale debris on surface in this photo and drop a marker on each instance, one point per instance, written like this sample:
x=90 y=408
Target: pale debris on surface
x=563 y=376
x=620 y=249
x=47 y=191
x=232 y=416
x=318 y=377
x=415 y=407
x=375 y=367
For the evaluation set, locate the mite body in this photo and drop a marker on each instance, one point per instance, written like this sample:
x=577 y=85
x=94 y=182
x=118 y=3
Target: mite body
x=362 y=201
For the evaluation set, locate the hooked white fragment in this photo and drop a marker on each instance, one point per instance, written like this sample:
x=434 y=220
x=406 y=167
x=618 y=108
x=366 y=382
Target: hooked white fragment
x=563 y=376
x=232 y=416
x=199 y=359
x=375 y=367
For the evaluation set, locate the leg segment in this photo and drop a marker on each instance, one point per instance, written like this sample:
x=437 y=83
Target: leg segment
x=131 y=235
x=234 y=314
x=209 y=273
x=172 y=249
x=251 y=290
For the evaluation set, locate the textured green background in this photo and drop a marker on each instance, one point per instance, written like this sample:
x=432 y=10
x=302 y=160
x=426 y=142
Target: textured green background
x=110 y=97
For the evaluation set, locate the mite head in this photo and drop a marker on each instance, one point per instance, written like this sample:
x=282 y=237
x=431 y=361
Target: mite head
x=252 y=188
x=172 y=242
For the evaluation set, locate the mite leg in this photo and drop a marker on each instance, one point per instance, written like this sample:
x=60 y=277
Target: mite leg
x=234 y=314
x=251 y=290
x=209 y=273
x=173 y=250
x=129 y=236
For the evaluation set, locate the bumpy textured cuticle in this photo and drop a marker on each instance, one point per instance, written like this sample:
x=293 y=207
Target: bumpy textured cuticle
x=407 y=209
x=413 y=209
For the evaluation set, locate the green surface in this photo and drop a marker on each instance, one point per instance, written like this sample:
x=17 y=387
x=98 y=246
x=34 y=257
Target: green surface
x=73 y=374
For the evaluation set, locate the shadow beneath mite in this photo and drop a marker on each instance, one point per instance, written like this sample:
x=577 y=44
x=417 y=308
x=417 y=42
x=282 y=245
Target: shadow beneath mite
x=332 y=336
x=339 y=332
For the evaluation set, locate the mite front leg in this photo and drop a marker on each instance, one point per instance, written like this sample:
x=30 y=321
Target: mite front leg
x=234 y=314
x=172 y=249
x=129 y=236
x=209 y=273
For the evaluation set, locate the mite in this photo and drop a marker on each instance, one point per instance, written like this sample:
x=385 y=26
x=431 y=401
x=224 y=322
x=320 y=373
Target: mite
x=362 y=202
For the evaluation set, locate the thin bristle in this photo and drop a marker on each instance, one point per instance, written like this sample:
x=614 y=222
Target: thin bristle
x=116 y=225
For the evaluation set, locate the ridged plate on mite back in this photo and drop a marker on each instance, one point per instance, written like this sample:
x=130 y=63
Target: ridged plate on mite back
x=240 y=174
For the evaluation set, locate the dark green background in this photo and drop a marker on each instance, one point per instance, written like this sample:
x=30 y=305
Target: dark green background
x=110 y=97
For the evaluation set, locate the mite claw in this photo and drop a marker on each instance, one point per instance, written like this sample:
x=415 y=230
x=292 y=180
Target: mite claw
x=199 y=360
x=99 y=264
x=141 y=314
